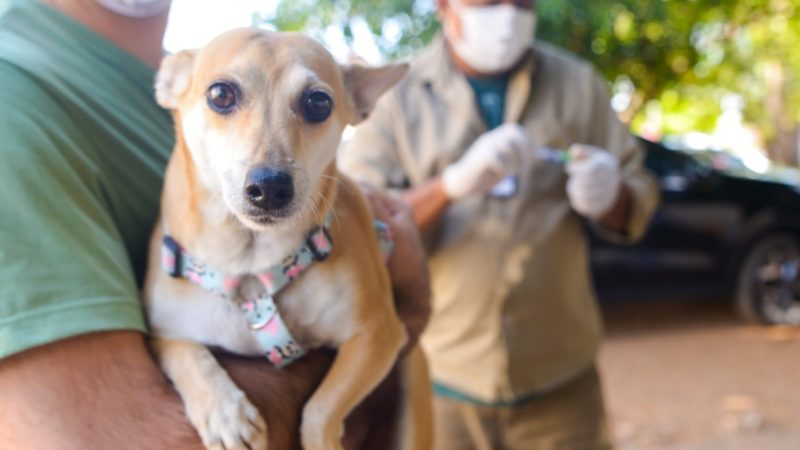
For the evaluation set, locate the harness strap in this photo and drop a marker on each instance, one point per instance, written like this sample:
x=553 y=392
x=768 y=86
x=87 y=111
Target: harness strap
x=262 y=314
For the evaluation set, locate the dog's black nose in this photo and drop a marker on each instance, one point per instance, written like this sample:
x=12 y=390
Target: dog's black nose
x=269 y=189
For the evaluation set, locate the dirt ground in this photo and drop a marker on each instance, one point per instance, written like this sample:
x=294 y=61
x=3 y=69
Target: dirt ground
x=688 y=375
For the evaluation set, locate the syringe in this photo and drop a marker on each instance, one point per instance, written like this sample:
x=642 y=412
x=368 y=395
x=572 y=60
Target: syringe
x=552 y=155
x=507 y=187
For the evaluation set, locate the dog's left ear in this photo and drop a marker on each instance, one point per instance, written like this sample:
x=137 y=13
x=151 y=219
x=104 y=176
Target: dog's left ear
x=366 y=84
x=174 y=77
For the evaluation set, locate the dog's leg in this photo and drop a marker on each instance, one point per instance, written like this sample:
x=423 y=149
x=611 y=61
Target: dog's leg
x=216 y=407
x=415 y=430
x=359 y=366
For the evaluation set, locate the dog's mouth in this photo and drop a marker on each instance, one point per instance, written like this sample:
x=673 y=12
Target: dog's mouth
x=263 y=218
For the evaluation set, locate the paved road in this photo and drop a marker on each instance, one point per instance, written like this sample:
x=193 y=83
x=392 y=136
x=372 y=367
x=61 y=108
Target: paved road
x=687 y=375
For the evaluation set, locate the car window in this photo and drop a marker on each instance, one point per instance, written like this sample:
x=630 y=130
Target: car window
x=664 y=162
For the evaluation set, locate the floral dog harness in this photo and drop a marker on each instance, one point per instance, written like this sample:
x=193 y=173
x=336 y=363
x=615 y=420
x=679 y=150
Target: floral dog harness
x=262 y=314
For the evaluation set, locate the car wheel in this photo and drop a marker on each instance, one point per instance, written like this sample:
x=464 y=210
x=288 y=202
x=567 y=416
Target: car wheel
x=769 y=281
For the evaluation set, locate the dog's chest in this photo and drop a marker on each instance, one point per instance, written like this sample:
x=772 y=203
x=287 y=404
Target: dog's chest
x=181 y=310
x=315 y=315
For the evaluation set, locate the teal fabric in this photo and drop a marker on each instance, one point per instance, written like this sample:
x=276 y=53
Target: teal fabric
x=490 y=93
x=83 y=150
x=455 y=394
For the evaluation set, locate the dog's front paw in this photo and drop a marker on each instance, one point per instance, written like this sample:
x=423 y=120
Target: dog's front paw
x=227 y=420
x=316 y=434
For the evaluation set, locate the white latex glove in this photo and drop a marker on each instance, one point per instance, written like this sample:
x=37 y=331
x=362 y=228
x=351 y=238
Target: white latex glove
x=594 y=179
x=489 y=159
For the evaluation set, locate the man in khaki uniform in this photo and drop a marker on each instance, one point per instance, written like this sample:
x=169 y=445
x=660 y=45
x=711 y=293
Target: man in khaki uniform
x=515 y=329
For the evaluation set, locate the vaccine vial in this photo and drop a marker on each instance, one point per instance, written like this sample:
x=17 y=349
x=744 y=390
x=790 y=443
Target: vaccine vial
x=505 y=188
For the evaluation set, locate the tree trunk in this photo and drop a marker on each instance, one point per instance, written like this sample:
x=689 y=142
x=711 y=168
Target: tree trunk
x=783 y=144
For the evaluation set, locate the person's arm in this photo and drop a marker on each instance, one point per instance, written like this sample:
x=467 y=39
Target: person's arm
x=608 y=182
x=103 y=390
x=428 y=202
x=596 y=189
x=488 y=160
x=494 y=155
x=408 y=264
x=616 y=219
x=99 y=390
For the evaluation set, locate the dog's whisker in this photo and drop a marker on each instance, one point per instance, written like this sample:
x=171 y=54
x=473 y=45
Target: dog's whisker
x=329 y=204
x=316 y=210
x=338 y=181
x=331 y=208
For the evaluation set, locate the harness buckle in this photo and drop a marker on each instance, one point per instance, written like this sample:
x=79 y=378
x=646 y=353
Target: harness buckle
x=171 y=257
x=320 y=243
x=259 y=312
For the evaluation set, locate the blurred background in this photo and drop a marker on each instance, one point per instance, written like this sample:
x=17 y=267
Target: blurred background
x=702 y=348
x=719 y=74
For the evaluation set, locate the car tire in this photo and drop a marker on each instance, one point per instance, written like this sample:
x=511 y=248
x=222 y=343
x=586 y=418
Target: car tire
x=768 y=285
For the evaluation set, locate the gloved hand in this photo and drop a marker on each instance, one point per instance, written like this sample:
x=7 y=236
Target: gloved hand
x=594 y=180
x=491 y=157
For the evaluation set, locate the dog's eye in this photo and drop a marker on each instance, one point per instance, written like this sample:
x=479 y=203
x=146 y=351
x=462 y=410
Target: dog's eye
x=222 y=97
x=316 y=106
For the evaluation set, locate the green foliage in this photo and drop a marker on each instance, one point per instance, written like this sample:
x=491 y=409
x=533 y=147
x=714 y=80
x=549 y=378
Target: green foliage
x=685 y=55
x=400 y=27
x=688 y=54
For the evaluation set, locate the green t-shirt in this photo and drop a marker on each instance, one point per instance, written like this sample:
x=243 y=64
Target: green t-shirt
x=83 y=147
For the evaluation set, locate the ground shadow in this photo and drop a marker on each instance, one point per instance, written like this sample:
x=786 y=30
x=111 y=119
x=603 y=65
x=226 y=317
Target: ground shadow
x=656 y=316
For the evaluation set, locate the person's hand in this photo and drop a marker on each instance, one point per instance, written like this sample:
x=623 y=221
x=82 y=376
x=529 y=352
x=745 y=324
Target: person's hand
x=408 y=265
x=594 y=180
x=494 y=155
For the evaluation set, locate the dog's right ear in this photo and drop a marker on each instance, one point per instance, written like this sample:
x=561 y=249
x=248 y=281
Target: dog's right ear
x=174 y=77
x=366 y=84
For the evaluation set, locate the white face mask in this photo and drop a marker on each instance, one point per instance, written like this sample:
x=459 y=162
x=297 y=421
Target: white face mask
x=493 y=38
x=138 y=9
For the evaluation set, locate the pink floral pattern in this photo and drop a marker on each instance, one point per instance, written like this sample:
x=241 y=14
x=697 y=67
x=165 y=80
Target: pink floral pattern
x=262 y=314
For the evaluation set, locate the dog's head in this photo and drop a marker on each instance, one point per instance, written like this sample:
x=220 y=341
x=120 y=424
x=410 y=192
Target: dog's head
x=262 y=113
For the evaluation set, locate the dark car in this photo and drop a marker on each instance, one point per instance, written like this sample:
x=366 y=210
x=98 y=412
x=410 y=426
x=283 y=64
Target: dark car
x=718 y=233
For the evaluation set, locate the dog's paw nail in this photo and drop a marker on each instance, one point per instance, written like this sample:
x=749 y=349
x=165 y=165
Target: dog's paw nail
x=232 y=423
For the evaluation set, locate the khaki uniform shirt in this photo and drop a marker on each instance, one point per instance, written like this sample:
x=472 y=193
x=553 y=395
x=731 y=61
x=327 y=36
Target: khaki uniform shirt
x=514 y=311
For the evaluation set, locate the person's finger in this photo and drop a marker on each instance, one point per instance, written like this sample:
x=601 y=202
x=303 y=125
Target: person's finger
x=376 y=202
x=579 y=152
x=379 y=209
x=389 y=202
x=402 y=212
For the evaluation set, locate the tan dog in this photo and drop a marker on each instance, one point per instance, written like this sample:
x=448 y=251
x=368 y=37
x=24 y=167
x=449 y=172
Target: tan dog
x=258 y=118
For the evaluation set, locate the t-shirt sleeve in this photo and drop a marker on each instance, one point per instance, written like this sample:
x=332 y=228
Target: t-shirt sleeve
x=64 y=270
